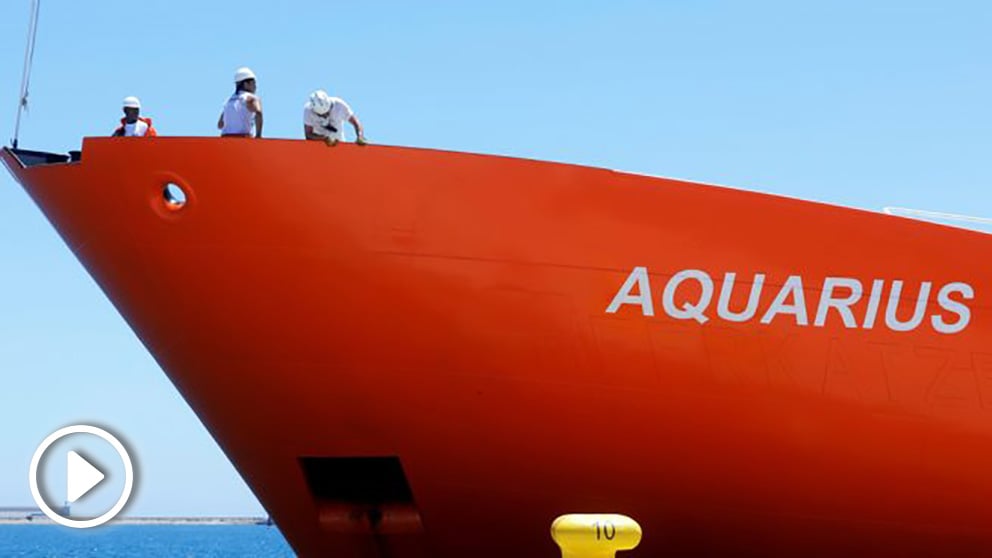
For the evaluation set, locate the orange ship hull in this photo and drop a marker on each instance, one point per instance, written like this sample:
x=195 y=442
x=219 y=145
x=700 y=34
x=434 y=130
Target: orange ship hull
x=420 y=353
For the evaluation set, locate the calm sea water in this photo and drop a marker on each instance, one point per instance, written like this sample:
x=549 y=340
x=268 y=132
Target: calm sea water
x=167 y=541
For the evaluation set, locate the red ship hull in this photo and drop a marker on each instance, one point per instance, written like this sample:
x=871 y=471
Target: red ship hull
x=420 y=353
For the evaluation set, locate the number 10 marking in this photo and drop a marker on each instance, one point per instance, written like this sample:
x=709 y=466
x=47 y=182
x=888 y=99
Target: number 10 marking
x=605 y=530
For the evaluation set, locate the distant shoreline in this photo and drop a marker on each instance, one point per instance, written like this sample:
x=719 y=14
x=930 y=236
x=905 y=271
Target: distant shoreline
x=152 y=521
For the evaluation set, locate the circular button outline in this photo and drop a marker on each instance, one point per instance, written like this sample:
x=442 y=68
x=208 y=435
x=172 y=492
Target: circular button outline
x=105 y=436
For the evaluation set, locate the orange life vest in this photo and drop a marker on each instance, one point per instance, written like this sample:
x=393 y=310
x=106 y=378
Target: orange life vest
x=143 y=127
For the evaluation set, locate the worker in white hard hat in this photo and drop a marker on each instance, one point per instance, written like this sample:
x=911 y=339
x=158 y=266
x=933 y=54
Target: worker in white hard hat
x=324 y=118
x=133 y=124
x=243 y=110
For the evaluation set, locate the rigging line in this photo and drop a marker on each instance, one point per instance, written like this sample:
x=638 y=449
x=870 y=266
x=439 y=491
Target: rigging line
x=22 y=100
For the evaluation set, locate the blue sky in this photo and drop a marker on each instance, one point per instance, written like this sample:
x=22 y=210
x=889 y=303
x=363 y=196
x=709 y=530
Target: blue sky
x=865 y=104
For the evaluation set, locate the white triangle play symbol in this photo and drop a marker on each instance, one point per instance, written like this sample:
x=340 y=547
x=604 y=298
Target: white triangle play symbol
x=81 y=476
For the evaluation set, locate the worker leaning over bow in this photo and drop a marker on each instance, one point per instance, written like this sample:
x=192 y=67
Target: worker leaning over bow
x=134 y=125
x=244 y=109
x=324 y=118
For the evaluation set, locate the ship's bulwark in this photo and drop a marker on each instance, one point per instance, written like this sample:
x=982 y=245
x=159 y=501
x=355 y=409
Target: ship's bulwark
x=446 y=316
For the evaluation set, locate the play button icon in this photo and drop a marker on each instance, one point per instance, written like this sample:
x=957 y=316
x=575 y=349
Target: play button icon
x=84 y=476
x=81 y=477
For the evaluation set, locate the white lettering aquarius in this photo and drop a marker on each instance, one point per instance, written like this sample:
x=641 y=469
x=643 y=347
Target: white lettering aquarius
x=892 y=308
x=841 y=297
x=726 y=291
x=688 y=311
x=637 y=277
x=793 y=286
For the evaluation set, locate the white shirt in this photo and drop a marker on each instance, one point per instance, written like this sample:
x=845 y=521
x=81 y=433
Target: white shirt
x=139 y=128
x=339 y=114
x=238 y=118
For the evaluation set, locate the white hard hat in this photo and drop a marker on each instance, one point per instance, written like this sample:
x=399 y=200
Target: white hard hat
x=320 y=102
x=243 y=74
x=132 y=102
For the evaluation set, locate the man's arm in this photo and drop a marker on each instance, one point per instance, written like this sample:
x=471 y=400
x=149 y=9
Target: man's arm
x=255 y=105
x=310 y=134
x=359 y=130
x=220 y=122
